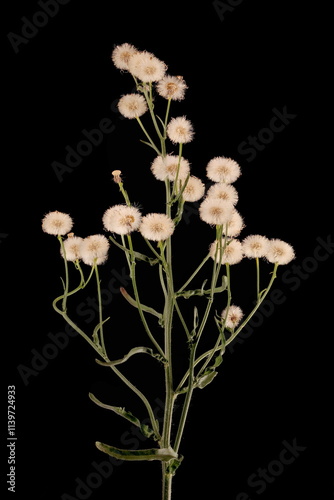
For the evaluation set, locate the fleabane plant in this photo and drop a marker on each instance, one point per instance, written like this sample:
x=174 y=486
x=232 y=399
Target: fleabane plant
x=119 y=224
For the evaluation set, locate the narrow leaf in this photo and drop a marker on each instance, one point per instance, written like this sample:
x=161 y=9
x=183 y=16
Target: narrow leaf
x=96 y=329
x=162 y=123
x=162 y=454
x=206 y=379
x=132 y=352
x=134 y=303
x=151 y=146
x=146 y=430
x=146 y=258
x=200 y=291
x=195 y=318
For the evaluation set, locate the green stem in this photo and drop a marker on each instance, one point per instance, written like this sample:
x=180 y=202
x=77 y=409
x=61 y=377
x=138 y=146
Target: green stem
x=221 y=334
x=124 y=193
x=194 y=273
x=190 y=373
x=149 y=100
x=168 y=314
x=148 y=136
x=166 y=117
x=175 y=186
x=219 y=346
x=97 y=348
x=115 y=370
x=182 y=320
x=152 y=249
x=187 y=400
x=257 y=278
x=215 y=274
x=136 y=293
x=141 y=396
x=251 y=314
x=99 y=298
x=167 y=479
x=66 y=286
x=163 y=142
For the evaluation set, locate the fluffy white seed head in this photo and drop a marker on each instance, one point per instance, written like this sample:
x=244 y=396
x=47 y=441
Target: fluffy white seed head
x=156 y=227
x=232 y=316
x=231 y=254
x=166 y=167
x=146 y=67
x=57 y=223
x=94 y=249
x=121 y=219
x=180 y=130
x=194 y=189
x=255 y=246
x=280 y=252
x=223 y=191
x=172 y=87
x=132 y=105
x=221 y=169
x=72 y=246
x=235 y=225
x=215 y=211
x=121 y=55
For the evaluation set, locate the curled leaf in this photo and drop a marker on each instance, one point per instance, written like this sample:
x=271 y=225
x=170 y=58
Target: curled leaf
x=206 y=379
x=162 y=454
x=135 y=350
x=145 y=429
x=144 y=308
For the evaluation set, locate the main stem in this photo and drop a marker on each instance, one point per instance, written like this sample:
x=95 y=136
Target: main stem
x=170 y=397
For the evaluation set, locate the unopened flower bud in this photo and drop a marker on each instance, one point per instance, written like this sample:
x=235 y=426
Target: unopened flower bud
x=117 y=176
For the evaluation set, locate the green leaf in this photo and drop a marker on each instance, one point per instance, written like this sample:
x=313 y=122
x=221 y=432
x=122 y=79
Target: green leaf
x=144 y=308
x=96 y=329
x=132 y=352
x=206 y=379
x=162 y=123
x=173 y=465
x=200 y=291
x=218 y=361
x=145 y=429
x=162 y=454
x=151 y=146
x=146 y=258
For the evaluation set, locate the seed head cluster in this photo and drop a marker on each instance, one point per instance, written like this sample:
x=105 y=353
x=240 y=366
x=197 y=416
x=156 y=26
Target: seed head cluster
x=216 y=201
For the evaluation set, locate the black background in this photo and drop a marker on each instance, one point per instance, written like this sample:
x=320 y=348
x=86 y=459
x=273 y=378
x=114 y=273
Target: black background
x=274 y=386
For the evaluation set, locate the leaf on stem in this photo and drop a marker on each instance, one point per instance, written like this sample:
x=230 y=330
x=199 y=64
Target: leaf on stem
x=174 y=465
x=135 y=350
x=210 y=372
x=162 y=454
x=145 y=258
x=162 y=123
x=134 y=303
x=95 y=332
x=200 y=291
x=145 y=429
x=206 y=379
x=151 y=146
